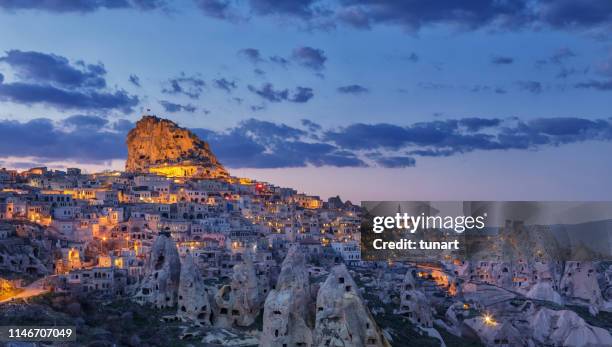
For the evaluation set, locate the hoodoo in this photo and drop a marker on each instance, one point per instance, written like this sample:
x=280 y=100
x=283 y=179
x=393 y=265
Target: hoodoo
x=160 y=146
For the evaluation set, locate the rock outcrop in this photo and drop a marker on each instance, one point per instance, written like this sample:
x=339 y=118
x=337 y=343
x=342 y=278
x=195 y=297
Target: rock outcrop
x=193 y=301
x=544 y=291
x=566 y=328
x=239 y=302
x=286 y=310
x=161 y=146
x=342 y=317
x=497 y=334
x=161 y=275
x=579 y=285
x=414 y=303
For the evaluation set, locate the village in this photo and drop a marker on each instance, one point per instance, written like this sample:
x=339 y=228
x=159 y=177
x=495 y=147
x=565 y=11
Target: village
x=239 y=262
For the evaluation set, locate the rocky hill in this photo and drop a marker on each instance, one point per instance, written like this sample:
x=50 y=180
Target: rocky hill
x=161 y=146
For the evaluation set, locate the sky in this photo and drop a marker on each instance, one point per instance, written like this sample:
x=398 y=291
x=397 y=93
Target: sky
x=371 y=100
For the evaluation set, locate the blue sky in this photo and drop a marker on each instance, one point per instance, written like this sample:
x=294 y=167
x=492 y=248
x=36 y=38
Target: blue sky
x=370 y=100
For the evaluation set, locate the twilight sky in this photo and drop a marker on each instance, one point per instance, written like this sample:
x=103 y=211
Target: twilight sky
x=392 y=99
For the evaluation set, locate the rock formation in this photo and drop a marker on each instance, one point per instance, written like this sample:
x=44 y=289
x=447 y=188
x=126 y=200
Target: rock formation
x=193 y=301
x=285 y=318
x=579 y=285
x=414 y=303
x=238 y=303
x=160 y=146
x=161 y=275
x=566 y=328
x=497 y=334
x=342 y=317
x=544 y=291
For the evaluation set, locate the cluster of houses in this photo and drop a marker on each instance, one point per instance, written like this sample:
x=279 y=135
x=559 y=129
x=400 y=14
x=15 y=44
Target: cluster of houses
x=102 y=226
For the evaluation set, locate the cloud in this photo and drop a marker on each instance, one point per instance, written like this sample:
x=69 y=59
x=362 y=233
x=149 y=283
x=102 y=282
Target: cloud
x=220 y=9
x=47 y=141
x=477 y=124
x=562 y=55
x=301 y=95
x=413 y=15
x=412 y=57
x=85 y=122
x=534 y=87
x=558 y=57
x=279 y=60
x=396 y=161
x=501 y=60
x=255 y=143
x=594 y=84
x=476 y=88
x=310 y=125
x=29 y=94
x=135 y=80
x=53 y=80
x=57 y=70
x=296 y=8
x=173 y=108
x=81 y=6
x=353 y=89
x=260 y=144
x=269 y=93
x=448 y=137
x=190 y=86
x=225 y=84
x=309 y=57
x=251 y=54
x=568 y=14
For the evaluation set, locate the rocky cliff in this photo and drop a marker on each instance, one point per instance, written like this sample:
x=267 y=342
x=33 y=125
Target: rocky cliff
x=161 y=146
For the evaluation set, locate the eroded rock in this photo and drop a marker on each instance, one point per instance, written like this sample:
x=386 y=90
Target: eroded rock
x=414 y=303
x=342 y=317
x=162 y=273
x=239 y=302
x=161 y=146
x=286 y=310
x=193 y=300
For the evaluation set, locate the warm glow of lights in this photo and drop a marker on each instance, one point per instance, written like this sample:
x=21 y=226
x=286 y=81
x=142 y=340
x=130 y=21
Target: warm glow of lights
x=119 y=262
x=489 y=320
